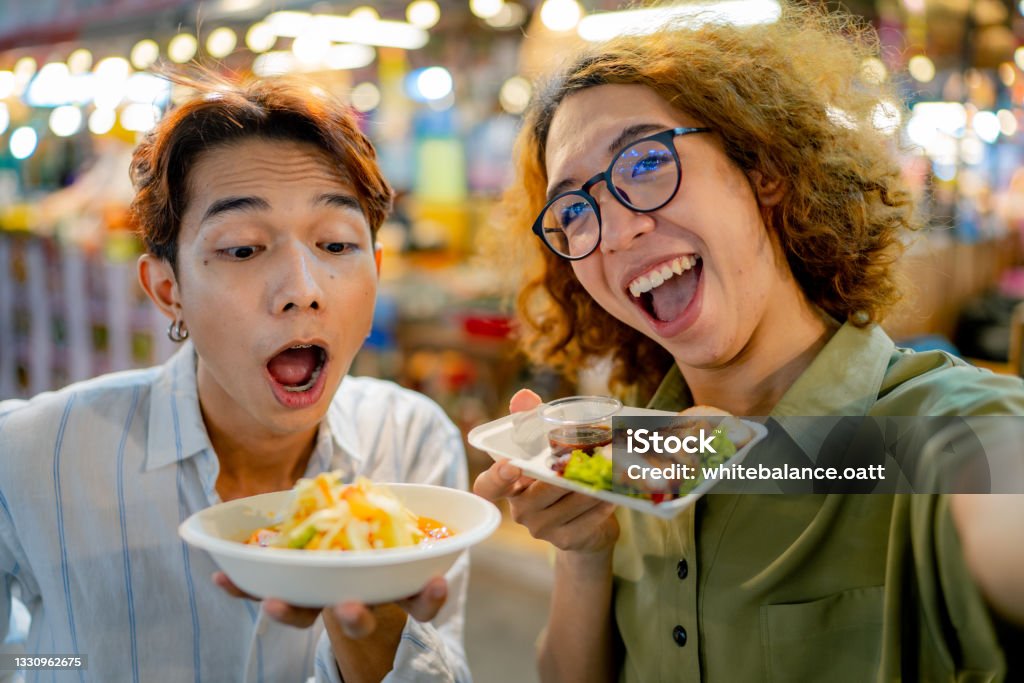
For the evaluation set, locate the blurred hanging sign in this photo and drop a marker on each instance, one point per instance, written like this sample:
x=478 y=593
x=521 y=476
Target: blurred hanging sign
x=40 y=22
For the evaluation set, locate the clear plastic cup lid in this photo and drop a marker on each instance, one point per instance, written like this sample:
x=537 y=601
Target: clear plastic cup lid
x=580 y=410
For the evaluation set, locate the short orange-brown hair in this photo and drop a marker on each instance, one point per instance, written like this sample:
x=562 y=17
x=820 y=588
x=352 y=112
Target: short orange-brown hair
x=221 y=112
x=790 y=101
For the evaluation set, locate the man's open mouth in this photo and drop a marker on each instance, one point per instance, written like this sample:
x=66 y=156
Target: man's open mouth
x=297 y=367
x=664 y=291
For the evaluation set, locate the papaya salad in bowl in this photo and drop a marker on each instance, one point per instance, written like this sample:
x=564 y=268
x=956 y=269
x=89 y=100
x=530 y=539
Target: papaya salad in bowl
x=326 y=541
x=326 y=514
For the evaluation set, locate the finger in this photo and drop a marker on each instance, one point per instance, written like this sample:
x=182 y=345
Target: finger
x=425 y=605
x=588 y=530
x=299 y=617
x=523 y=400
x=355 y=619
x=521 y=485
x=576 y=505
x=539 y=495
x=593 y=515
x=222 y=581
x=497 y=482
x=544 y=521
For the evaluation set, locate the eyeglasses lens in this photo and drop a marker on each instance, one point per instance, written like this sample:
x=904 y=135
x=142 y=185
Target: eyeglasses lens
x=645 y=175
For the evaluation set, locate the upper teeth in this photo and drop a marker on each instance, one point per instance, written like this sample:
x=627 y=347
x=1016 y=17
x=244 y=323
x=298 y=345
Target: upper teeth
x=661 y=274
x=302 y=346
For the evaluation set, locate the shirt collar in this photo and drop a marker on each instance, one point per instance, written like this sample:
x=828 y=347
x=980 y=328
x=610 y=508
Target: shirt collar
x=844 y=379
x=339 y=431
x=672 y=393
x=176 y=427
x=177 y=431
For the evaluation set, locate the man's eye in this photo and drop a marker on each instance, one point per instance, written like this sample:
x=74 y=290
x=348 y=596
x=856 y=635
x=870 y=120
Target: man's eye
x=240 y=253
x=339 y=247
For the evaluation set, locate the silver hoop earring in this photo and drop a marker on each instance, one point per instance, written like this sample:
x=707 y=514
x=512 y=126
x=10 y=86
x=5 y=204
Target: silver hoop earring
x=176 y=331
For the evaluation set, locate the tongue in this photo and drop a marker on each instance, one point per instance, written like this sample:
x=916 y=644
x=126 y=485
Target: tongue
x=671 y=299
x=294 y=367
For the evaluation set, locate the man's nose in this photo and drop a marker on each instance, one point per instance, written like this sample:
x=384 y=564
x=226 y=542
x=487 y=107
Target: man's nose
x=298 y=287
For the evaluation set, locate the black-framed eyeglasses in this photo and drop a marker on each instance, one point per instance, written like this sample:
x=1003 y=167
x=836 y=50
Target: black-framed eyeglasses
x=643 y=177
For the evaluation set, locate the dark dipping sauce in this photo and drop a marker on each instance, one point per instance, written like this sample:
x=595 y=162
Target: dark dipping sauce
x=565 y=440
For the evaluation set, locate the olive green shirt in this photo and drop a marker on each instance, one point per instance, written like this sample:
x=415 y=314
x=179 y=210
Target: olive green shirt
x=828 y=588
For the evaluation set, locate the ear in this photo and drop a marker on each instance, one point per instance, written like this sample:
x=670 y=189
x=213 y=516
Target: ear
x=769 y=191
x=157 y=279
x=378 y=254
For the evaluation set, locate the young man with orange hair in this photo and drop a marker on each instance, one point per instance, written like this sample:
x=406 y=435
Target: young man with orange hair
x=259 y=205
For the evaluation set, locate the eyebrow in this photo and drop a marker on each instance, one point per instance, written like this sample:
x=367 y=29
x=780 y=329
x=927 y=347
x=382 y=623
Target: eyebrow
x=628 y=134
x=340 y=201
x=632 y=133
x=231 y=204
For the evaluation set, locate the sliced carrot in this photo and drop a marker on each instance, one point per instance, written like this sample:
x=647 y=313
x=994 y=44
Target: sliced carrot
x=433 y=528
x=325 y=490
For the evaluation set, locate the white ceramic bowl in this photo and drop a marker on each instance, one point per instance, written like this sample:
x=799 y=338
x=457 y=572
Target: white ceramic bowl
x=314 y=578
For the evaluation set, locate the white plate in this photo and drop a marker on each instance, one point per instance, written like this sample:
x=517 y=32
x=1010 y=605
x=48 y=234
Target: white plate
x=522 y=439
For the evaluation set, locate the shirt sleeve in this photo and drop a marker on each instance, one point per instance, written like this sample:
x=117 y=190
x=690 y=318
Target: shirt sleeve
x=19 y=589
x=955 y=630
x=12 y=622
x=939 y=626
x=7 y=566
x=14 y=618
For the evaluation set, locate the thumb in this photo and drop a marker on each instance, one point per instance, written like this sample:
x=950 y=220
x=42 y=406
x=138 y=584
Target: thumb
x=497 y=482
x=355 y=619
x=524 y=400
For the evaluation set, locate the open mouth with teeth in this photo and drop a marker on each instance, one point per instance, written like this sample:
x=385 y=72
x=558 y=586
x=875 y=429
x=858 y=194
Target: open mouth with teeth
x=665 y=291
x=296 y=374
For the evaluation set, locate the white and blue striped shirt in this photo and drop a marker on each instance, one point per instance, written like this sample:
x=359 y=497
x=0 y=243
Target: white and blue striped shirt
x=96 y=478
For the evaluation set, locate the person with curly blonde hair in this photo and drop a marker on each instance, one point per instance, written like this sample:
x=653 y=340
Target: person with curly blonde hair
x=714 y=210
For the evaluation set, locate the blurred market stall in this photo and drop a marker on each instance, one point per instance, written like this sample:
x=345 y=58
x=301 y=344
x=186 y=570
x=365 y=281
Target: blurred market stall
x=440 y=87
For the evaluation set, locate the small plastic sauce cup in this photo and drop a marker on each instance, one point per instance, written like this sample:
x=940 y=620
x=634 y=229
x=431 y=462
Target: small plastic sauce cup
x=579 y=422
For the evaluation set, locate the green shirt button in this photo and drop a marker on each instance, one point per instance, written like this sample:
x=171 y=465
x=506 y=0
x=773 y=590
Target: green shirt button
x=679 y=635
x=682 y=569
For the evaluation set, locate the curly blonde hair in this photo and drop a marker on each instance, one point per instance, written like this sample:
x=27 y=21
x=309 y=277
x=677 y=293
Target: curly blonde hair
x=791 y=101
